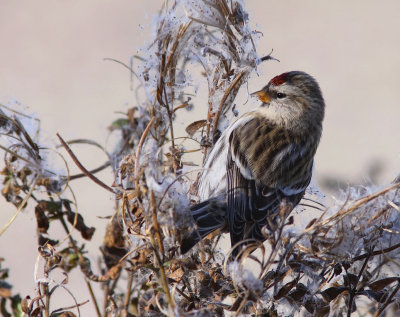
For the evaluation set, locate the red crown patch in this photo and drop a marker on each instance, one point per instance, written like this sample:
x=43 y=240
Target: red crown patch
x=279 y=80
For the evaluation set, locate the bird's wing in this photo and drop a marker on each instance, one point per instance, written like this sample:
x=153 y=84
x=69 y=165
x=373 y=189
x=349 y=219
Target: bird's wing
x=252 y=203
x=238 y=207
x=250 y=207
x=267 y=206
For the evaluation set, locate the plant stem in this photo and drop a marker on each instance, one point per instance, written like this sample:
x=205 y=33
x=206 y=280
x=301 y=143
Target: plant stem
x=388 y=301
x=157 y=245
x=89 y=286
x=47 y=306
x=128 y=292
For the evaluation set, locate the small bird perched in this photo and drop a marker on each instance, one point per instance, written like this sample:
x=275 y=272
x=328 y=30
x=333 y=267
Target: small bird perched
x=260 y=161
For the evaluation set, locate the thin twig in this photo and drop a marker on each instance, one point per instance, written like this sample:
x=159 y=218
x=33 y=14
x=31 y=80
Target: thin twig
x=269 y=57
x=107 y=298
x=158 y=245
x=59 y=310
x=139 y=149
x=242 y=303
x=123 y=64
x=358 y=203
x=82 y=168
x=353 y=290
x=96 y=306
x=179 y=177
x=388 y=301
x=93 y=171
x=128 y=292
x=210 y=113
x=46 y=292
x=225 y=97
x=21 y=205
x=365 y=255
x=78 y=252
x=171 y=130
x=90 y=142
x=311 y=206
x=156 y=225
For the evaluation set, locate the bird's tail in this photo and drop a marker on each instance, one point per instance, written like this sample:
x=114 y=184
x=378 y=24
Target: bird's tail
x=208 y=216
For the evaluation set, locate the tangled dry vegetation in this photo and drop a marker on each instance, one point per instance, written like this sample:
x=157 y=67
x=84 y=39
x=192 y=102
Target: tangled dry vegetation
x=344 y=260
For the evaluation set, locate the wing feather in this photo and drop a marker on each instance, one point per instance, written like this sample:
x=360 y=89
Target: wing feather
x=253 y=201
x=237 y=201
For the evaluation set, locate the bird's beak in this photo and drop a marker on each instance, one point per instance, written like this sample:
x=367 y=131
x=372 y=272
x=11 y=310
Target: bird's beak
x=262 y=96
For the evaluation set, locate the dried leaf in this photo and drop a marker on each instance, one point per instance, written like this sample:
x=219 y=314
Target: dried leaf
x=346 y=265
x=337 y=270
x=379 y=297
x=85 y=231
x=176 y=274
x=285 y=289
x=113 y=247
x=118 y=124
x=194 y=126
x=25 y=304
x=42 y=240
x=3 y=272
x=322 y=311
x=111 y=274
x=351 y=279
x=5 y=289
x=36 y=312
x=298 y=294
x=310 y=305
x=41 y=219
x=131 y=114
x=141 y=257
x=331 y=293
x=382 y=283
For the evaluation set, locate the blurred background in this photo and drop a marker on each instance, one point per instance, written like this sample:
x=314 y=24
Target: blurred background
x=52 y=61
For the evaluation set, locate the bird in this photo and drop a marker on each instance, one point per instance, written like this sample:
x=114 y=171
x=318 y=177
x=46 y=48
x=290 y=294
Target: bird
x=262 y=161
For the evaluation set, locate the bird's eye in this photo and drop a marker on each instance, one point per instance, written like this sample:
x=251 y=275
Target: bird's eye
x=280 y=95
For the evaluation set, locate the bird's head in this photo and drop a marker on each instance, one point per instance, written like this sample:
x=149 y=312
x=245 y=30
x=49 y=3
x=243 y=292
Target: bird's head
x=292 y=99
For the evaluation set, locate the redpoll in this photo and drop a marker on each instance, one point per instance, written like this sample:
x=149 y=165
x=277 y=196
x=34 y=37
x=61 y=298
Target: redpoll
x=262 y=160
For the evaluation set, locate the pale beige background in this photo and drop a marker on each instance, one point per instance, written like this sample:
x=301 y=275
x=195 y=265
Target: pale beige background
x=51 y=59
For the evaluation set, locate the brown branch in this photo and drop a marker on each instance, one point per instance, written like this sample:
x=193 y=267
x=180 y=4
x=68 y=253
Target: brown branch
x=171 y=130
x=182 y=31
x=388 y=301
x=210 y=113
x=79 y=253
x=128 y=292
x=242 y=303
x=139 y=149
x=69 y=307
x=225 y=97
x=82 y=168
x=93 y=171
x=158 y=246
x=342 y=214
x=123 y=64
x=353 y=290
x=365 y=255
x=269 y=57
x=156 y=225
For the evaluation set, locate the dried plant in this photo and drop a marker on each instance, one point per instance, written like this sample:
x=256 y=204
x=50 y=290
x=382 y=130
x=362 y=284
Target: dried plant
x=342 y=261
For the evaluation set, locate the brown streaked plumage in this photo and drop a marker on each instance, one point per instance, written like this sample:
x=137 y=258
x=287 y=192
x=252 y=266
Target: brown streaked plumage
x=261 y=160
